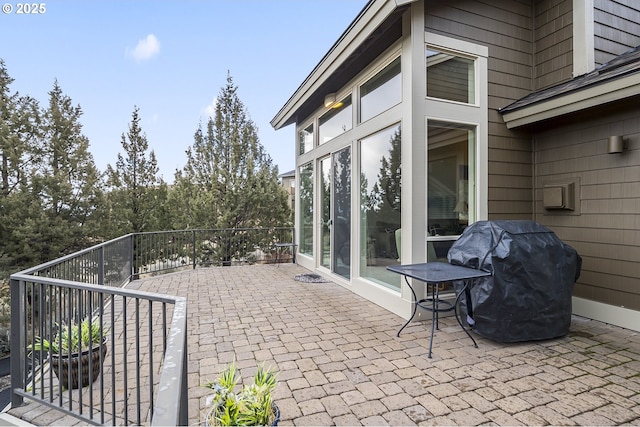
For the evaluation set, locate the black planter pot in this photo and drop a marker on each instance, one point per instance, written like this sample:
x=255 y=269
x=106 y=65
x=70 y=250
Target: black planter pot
x=78 y=365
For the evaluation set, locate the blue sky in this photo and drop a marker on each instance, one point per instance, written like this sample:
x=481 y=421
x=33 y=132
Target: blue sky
x=170 y=58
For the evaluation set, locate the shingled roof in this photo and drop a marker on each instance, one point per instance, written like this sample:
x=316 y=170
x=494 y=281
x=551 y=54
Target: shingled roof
x=624 y=65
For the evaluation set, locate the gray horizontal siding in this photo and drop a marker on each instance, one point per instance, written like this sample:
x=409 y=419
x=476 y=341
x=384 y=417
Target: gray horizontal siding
x=553 y=38
x=616 y=28
x=606 y=233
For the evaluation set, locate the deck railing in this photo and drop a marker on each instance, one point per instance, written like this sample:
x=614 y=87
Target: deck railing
x=140 y=368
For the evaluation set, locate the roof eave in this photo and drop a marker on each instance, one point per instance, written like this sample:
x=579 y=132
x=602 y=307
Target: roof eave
x=372 y=15
x=592 y=96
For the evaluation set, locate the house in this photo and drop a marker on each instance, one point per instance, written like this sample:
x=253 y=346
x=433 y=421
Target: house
x=288 y=182
x=426 y=116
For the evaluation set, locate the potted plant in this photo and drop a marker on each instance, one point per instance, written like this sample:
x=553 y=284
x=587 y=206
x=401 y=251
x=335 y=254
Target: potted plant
x=75 y=349
x=251 y=405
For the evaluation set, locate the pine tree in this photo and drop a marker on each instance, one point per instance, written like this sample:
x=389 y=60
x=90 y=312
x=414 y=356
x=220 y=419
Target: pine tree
x=20 y=154
x=68 y=183
x=390 y=177
x=382 y=205
x=136 y=194
x=192 y=196
x=384 y=198
x=19 y=148
x=229 y=181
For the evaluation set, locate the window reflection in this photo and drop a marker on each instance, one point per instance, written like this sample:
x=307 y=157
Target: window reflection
x=380 y=189
x=335 y=121
x=306 y=209
x=342 y=212
x=450 y=77
x=305 y=139
x=449 y=182
x=325 y=211
x=381 y=92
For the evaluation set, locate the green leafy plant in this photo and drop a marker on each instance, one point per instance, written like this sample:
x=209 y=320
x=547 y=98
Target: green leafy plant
x=252 y=405
x=77 y=337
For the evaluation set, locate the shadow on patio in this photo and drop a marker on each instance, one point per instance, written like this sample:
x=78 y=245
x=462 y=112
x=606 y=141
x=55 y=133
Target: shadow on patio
x=339 y=361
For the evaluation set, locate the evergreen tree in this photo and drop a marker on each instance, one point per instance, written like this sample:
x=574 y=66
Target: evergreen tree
x=390 y=177
x=137 y=194
x=19 y=148
x=382 y=206
x=229 y=181
x=69 y=185
x=384 y=198
x=20 y=155
x=191 y=199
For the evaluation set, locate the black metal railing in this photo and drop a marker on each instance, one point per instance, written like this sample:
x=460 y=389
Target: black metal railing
x=160 y=251
x=138 y=373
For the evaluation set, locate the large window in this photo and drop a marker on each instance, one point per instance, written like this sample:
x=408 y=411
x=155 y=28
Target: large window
x=450 y=183
x=380 y=189
x=450 y=76
x=337 y=120
x=305 y=139
x=381 y=92
x=306 y=209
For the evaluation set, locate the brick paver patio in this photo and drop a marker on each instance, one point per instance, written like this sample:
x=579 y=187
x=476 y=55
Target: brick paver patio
x=339 y=361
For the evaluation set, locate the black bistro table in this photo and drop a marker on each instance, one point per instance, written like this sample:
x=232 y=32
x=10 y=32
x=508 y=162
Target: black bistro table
x=435 y=274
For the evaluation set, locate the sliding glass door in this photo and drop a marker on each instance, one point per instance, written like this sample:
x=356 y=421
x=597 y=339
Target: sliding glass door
x=341 y=236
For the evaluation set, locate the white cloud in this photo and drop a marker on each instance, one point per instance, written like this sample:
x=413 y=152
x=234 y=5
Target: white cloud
x=146 y=48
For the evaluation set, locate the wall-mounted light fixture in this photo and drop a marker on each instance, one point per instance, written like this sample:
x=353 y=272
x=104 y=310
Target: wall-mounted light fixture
x=616 y=144
x=330 y=101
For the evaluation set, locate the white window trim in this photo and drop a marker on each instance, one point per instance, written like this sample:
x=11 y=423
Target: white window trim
x=461 y=47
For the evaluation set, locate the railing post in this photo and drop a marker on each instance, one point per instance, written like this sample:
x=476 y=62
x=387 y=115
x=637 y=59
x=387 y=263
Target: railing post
x=194 y=249
x=131 y=257
x=293 y=242
x=101 y=265
x=18 y=347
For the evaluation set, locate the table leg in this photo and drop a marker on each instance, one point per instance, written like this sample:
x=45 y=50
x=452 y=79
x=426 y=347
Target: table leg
x=455 y=311
x=434 y=313
x=415 y=306
x=435 y=296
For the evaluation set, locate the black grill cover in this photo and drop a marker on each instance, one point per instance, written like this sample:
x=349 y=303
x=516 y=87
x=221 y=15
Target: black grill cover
x=528 y=297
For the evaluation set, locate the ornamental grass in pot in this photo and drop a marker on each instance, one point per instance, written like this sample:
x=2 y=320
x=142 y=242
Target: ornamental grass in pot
x=233 y=404
x=76 y=352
